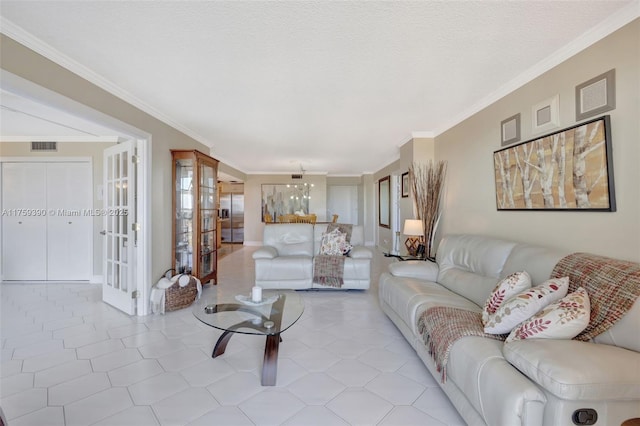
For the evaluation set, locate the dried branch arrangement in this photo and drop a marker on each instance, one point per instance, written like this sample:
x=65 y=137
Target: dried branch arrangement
x=427 y=187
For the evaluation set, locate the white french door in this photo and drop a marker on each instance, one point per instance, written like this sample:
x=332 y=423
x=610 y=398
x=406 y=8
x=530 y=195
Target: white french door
x=119 y=212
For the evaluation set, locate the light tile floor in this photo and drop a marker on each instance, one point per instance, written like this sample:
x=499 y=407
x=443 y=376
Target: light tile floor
x=69 y=359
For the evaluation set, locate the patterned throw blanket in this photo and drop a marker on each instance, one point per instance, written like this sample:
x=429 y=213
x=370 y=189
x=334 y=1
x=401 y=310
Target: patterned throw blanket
x=327 y=269
x=612 y=285
x=442 y=326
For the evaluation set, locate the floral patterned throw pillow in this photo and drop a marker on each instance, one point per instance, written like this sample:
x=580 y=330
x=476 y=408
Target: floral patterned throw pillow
x=334 y=243
x=525 y=305
x=504 y=290
x=564 y=319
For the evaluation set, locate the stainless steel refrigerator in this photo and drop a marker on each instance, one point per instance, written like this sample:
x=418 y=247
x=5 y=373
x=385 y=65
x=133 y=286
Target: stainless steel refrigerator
x=232 y=217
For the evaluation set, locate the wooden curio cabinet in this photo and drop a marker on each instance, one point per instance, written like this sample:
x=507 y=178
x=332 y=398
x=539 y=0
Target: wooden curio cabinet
x=195 y=214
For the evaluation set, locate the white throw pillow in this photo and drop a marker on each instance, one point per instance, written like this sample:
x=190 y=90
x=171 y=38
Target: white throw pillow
x=525 y=305
x=564 y=319
x=505 y=290
x=334 y=243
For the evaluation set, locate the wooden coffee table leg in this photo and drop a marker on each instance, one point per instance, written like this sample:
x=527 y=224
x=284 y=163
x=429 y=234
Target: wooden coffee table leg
x=221 y=344
x=270 y=364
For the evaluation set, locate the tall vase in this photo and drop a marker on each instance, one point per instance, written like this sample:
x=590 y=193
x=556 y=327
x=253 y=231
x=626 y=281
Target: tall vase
x=427 y=184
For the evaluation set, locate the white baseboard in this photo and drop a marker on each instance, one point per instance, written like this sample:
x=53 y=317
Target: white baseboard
x=252 y=243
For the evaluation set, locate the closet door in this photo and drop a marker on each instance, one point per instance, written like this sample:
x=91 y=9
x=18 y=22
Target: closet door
x=24 y=221
x=69 y=228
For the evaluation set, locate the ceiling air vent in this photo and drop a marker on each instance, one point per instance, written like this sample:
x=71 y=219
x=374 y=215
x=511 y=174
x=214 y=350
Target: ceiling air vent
x=296 y=176
x=44 y=146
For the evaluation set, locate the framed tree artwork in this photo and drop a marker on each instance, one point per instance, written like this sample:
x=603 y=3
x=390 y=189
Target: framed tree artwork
x=571 y=169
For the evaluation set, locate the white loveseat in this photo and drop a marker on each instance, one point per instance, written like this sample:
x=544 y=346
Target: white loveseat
x=525 y=382
x=285 y=260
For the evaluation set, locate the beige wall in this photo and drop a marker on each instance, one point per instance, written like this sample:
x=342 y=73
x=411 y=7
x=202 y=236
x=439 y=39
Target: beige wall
x=253 y=225
x=18 y=60
x=416 y=150
x=253 y=201
x=385 y=237
x=68 y=150
x=470 y=204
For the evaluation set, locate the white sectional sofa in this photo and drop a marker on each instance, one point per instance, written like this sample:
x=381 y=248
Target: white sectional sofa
x=524 y=382
x=285 y=261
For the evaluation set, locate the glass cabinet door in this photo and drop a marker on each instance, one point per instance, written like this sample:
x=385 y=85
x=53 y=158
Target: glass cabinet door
x=208 y=217
x=195 y=214
x=184 y=216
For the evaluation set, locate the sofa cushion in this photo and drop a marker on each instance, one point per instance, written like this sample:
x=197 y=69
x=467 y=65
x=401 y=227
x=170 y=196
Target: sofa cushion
x=526 y=304
x=471 y=265
x=419 y=269
x=499 y=393
x=284 y=268
x=289 y=239
x=574 y=370
x=507 y=288
x=624 y=333
x=409 y=298
x=537 y=261
x=265 y=252
x=564 y=319
x=360 y=252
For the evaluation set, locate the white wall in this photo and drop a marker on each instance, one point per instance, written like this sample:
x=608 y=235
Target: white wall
x=23 y=62
x=470 y=205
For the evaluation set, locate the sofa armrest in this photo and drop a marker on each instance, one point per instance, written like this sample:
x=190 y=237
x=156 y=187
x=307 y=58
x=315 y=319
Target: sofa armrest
x=360 y=252
x=265 y=252
x=419 y=269
x=574 y=370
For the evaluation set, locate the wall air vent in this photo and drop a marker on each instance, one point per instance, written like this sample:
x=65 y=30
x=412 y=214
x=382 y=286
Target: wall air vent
x=44 y=146
x=296 y=176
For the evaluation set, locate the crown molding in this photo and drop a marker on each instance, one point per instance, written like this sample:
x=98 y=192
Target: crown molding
x=422 y=134
x=99 y=139
x=28 y=40
x=613 y=23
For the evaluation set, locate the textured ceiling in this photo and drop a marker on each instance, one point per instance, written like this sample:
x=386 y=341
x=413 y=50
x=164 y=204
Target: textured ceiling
x=333 y=86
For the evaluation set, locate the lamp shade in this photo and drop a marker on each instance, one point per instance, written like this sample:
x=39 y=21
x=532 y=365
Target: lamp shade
x=413 y=227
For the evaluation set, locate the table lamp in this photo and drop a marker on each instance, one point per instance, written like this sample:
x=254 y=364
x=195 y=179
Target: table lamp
x=413 y=229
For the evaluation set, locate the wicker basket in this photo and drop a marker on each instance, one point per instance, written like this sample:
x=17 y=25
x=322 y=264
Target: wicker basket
x=176 y=297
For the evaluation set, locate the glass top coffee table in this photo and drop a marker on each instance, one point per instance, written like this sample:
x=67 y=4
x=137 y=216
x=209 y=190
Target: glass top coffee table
x=278 y=311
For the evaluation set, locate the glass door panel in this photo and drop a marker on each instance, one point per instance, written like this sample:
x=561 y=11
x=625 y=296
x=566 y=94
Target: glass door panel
x=184 y=216
x=195 y=213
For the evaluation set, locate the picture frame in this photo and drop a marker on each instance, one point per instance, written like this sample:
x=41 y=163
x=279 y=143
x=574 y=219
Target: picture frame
x=280 y=199
x=510 y=130
x=596 y=95
x=569 y=170
x=545 y=115
x=384 y=202
x=405 y=185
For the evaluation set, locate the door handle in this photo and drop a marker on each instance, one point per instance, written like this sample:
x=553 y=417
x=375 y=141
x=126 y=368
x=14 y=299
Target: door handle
x=103 y=232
